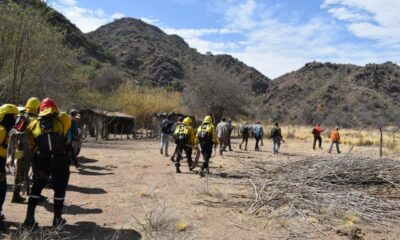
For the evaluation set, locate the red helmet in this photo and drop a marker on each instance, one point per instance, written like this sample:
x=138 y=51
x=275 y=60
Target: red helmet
x=47 y=103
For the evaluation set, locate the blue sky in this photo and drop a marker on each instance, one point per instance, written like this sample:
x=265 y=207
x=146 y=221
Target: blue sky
x=275 y=37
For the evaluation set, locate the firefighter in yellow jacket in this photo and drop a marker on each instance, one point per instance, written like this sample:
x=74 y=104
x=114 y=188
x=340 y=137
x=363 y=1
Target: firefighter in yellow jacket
x=30 y=112
x=8 y=113
x=207 y=138
x=185 y=140
x=49 y=137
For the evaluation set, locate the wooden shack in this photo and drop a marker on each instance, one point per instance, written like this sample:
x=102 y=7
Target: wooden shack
x=103 y=123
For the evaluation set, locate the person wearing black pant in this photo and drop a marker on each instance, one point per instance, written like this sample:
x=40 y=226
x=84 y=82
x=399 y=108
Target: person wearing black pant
x=176 y=124
x=245 y=131
x=49 y=132
x=207 y=138
x=185 y=140
x=317 y=130
x=8 y=113
x=258 y=133
x=230 y=129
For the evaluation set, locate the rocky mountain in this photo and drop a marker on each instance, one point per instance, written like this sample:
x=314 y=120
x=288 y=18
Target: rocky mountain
x=86 y=48
x=336 y=94
x=155 y=58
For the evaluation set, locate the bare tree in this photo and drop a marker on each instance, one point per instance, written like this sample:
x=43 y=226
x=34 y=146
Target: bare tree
x=212 y=90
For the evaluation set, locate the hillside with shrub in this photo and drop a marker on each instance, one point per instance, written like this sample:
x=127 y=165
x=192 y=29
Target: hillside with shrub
x=336 y=94
x=154 y=58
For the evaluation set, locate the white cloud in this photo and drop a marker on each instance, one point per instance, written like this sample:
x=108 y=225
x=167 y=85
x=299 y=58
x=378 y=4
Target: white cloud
x=68 y=2
x=150 y=20
x=383 y=23
x=85 y=19
x=117 y=16
x=275 y=47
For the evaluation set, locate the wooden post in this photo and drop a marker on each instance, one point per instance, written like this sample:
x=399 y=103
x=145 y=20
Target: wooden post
x=381 y=144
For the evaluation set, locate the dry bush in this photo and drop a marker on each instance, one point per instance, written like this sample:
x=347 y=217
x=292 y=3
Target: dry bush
x=142 y=102
x=40 y=234
x=161 y=224
x=331 y=193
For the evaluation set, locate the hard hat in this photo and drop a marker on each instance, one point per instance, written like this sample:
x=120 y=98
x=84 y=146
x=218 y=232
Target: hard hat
x=33 y=103
x=47 y=106
x=207 y=119
x=73 y=112
x=187 y=121
x=8 y=109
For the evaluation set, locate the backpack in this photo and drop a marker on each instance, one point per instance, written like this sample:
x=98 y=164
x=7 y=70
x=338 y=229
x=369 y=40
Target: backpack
x=275 y=132
x=21 y=122
x=166 y=126
x=181 y=135
x=257 y=131
x=244 y=130
x=204 y=133
x=314 y=131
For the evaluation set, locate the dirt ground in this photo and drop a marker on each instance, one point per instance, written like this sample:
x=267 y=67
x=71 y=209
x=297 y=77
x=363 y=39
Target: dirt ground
x=126 y=190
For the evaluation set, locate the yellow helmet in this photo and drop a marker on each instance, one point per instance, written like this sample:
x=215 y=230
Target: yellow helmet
x=32 y=105
x=207 y=119
x=187 y=121
x=8 y=109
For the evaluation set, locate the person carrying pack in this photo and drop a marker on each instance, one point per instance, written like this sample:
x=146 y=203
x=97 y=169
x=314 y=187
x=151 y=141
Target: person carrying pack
x=276 y=135
x=223 y=135
x=166 y=130
x=258 y=133
x=48 y=135
x=207 y=138
x=245 y=131
x=8 y=113
x=185 y=140
x=176 y=124
x=23 y=151
x=316 y=132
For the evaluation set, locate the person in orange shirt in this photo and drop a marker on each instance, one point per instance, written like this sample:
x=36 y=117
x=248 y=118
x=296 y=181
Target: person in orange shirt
x=335 y=138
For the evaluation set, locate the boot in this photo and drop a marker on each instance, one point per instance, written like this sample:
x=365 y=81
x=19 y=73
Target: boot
x=178 y=170
x=3 y=226
x=30 y=222
x=190 y=166
x=161 y=151
x=201 y=173
x=58 y=221
x=16 y=196
x=240 y=146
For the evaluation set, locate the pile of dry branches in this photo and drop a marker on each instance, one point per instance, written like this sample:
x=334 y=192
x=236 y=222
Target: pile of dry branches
x=329 y=190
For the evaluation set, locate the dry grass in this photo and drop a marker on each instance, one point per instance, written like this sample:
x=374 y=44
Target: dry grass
x=161 y=223
x=371 y=137
x=142 y=102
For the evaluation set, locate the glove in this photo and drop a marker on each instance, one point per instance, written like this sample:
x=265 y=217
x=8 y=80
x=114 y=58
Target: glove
x=19 y=154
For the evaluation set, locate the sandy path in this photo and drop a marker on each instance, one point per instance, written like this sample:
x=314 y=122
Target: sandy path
x=124 y=180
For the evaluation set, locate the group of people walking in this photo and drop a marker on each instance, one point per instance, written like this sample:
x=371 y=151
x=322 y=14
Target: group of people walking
x=38 y=136
x=186 y=140
x=207 y=137
x=334 y=137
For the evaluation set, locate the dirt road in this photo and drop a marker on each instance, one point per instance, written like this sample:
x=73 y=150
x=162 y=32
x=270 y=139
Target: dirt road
x=127 y=190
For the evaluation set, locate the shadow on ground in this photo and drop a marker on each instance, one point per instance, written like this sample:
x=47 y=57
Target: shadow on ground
x=73 y=209
x=86 y=190
x=79 y=230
